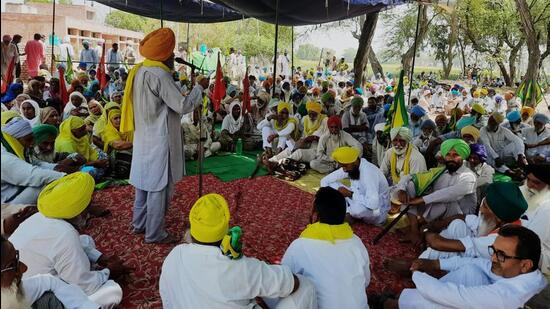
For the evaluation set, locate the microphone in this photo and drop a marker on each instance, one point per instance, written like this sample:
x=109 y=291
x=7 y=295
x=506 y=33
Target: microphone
x=181 y=61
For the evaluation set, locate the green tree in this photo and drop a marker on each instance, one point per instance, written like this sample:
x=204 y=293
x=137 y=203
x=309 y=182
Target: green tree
x=349 y=53
x=128 y=21
x=308 y=52
x=50 y=1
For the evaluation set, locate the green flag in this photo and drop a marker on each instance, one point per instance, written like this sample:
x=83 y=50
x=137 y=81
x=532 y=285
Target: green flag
x=529 y=89
x=397 y=115
x=423 y=180
x=69 y=72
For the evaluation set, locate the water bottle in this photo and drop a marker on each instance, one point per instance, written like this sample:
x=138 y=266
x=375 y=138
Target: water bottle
x=239 y=147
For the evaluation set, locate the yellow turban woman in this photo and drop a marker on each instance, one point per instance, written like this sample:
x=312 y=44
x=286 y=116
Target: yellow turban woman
x=311 y=126
x=111 y=133
x=68 y=142
x=99 y=125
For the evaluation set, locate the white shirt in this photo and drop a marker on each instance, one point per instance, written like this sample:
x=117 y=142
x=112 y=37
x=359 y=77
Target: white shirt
x=530 y=136
x=538 y=223
x=502 y=293
x=52 y=246
x=69 y=295
x=495 y=142
x=417 y=163
x=339 y=271
x=199 y=276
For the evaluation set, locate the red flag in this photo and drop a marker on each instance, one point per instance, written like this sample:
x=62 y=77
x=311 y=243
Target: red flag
x=100 y=75
x=246 y=93
x=63 y=94
x=219 y=87
x=7 y=79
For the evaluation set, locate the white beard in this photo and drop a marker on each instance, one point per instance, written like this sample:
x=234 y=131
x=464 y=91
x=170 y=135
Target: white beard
x=399 y=151
x=485 y=226
x=13 y=298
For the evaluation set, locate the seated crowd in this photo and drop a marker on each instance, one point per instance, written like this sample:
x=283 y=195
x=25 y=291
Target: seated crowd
x=471 y=171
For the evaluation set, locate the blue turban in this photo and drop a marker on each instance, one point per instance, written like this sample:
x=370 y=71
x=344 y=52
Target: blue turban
x=359 y=91
x=17 y=128
x=428 y=123
x=464 y=122
x=513 y=116
x=11 y=94
x=480 y=151
x=539 y=117
x=418 y=111
x=387 y=107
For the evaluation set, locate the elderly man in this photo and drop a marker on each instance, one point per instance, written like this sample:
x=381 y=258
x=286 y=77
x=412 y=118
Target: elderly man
x=49 y=241
x=503 y=146
x=152 y=108
x=214 y=256
x=368 y=197
x=380 y=144
x=514 y=124
x=536 y=188
x=42 y=291
x=537 y=138
x=88 y=55
x=508 y=280
x=23 y=179
x=403 y=158
x=355 y=121
x=331 y=255
x=329 y=142
x=453 y=190
x=314 y=126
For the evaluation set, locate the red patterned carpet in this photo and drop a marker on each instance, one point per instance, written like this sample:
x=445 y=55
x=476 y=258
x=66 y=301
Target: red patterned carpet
x=271 y=213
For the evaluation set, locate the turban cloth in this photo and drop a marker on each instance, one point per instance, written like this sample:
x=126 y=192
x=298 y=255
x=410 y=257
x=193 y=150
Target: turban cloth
x=9 y=115
x=326 y=96
x=427 y=92
x=209 y=218
x=359 y=91
x=379 y=127
x=66 y=197
x=11 y=94
x=264 y=96
x=506 y=201
x=357 y=101
x=529 y=110
x=324 y=84
x=345 y=155
x=418 y=111
x=316 y=91
x=389 y=88
x=428 y=123
x=334 y=120
x=302 y=90
x=273 y=103
x=471 y=130
x=480 y=151
x=465 y=121
x=314 y=106
x=404 y=132
x=478 y=108
x=498 y=98
x=158 y=45
x=440 y=116
x=17 y=128
x=484 y=91
x=513 y=116
x=458 y=145
x=455 y=92
x=498 y=117
x=542 y=118
x=283 y=105
x=508 y=95
x=541 y=171
x=231 y=88
x=476 y=94
x=42 y=131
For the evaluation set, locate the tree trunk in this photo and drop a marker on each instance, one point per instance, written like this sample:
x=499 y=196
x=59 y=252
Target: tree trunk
x=362 y=56
x=447 y=67
x=532 y=40
x=463 y=54
x=547 y=51
x=512 y=61
x=504 y=73
x=406 y=59
x=375 y=64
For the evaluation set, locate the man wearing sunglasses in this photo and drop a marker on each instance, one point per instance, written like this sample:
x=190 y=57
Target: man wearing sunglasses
x=508 y=280
x=37 y=290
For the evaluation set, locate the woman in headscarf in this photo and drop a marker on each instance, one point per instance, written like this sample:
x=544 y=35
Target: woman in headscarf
x=14 y=90
x=101 y=122
x=34 y=91
x=77 y=106
x=112 y=138
x=52 y=96
x=30 y=111
x=49 y=115
x=232 y=127
x=96 y=110
x=484 y=172
x=73 y=138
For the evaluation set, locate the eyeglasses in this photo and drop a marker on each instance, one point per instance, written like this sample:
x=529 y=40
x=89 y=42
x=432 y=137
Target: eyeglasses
x=16 y=266
x=501 y=256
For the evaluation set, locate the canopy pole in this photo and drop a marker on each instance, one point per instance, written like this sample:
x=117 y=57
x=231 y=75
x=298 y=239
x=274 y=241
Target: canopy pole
x=414 y=53
x=292 y=59
x=275 y=51
x=53 y=37
x=188 y=49
x=161 y=14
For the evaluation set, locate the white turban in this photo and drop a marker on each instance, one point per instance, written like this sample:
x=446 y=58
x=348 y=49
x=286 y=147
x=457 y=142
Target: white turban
x=17 y=128
x=404 y=132
x=379 y=127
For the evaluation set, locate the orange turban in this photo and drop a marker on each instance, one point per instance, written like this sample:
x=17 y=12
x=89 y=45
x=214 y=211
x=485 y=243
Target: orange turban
x=158 y=45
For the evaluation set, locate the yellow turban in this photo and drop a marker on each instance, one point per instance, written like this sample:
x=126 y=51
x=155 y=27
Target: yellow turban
x=345 y=155
x=9 y=115
x=283 y=105
x=209 y=218
x=66 y=197
x=158 y=45
x=484 y=91
x=529 y=110
x=476 y=93
x=314 y=106
x=478 y=108
x=471 y=130
x=498 y=117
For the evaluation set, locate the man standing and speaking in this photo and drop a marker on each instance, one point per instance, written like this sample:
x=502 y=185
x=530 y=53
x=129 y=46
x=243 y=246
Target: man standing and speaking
x=151 y=110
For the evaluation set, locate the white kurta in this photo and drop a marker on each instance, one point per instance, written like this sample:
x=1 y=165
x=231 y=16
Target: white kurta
x=69 y=295
x=530 y=136
x=199 y=276
x=158 y=142
x=417 y=163
x=339 y=271
x=502 y=143
x=497 y=293
x=538 y=222
x=370 y=201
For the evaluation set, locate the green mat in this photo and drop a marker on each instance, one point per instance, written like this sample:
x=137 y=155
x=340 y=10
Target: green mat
x=227 y=167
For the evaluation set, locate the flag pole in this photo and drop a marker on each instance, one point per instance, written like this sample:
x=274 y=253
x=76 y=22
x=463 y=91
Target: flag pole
x=53 y=37
x=414 y=53
x=275 y=51
x=292 y=65
x=161 y=17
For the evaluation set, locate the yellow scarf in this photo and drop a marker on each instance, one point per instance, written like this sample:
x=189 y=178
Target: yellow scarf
x=290 y=119
x=15 y=145
x=67 y=142
x=111 y=134
x=406 y=165
x=331 y=233
x=127 y=117
x=310 y=127
x=101 y=122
